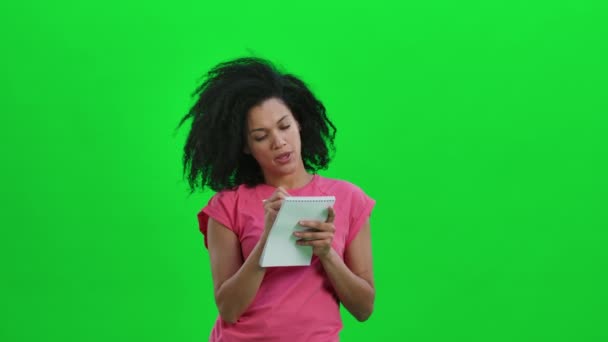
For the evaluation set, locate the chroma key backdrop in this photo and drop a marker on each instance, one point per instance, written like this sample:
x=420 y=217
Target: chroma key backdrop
x=479 y=127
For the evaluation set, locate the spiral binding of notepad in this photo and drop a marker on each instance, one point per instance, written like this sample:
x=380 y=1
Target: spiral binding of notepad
x=310 y=199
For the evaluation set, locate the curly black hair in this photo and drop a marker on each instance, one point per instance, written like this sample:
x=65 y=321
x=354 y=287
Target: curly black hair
x=213 y=153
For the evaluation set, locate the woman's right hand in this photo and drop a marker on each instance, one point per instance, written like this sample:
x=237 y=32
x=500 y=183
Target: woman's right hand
x=272 y=206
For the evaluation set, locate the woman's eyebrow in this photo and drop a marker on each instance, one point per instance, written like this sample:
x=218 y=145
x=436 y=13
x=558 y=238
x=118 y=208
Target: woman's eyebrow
x=257 y=129
x=263 y=129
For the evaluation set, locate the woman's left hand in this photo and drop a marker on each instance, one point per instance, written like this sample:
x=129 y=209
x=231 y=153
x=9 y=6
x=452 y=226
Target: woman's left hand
x=319 y=235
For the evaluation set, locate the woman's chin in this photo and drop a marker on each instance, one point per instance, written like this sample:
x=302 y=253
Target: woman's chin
x=286 y=171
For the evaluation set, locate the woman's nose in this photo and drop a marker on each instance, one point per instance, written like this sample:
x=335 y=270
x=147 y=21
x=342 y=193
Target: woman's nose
x=279 y=141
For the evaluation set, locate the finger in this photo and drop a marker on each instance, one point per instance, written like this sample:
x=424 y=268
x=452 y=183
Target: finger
x=314 y=243
x=275 y=205
x=318 y=226
x=331 y=215
x=311 y=224
x=271 y=212
x=281 y=190
x=275 y=196
x=279 y=193
x=314 y=235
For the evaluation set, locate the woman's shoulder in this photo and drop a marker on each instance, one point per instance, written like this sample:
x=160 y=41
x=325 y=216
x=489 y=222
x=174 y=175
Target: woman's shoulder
x=224 y=203
x=241 y=191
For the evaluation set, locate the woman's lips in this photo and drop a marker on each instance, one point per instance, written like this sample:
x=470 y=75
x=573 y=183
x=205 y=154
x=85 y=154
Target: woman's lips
x=283 y=158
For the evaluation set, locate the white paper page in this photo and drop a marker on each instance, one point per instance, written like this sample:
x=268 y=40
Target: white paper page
x=281 y=248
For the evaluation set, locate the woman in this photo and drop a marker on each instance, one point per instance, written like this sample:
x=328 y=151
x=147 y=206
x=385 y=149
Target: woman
x=258 y=136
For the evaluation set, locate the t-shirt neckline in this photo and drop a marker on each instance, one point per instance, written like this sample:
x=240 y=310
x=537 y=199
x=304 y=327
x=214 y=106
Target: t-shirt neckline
x=264 y=190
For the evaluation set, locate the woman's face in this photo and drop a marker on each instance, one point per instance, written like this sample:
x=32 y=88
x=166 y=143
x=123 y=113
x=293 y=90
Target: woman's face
x=273 y=138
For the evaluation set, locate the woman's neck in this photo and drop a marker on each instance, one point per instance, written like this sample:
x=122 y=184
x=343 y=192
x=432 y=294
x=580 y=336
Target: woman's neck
x=290 y=181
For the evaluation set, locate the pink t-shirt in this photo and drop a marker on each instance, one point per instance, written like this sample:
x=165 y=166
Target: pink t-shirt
x=293 y=303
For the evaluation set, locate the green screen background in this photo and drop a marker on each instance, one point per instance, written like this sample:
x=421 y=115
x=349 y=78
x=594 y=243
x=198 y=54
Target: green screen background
x=478 y=126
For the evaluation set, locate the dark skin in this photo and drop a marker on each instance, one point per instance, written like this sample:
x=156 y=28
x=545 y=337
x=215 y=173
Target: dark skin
x=320 y=234
x=273 y=131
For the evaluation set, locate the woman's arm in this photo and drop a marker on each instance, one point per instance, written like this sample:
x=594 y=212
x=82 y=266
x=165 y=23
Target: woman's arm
x=235 y=282
x=352 y=278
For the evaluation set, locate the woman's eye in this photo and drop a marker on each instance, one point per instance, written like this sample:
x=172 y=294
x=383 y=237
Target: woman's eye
x=285 y=127
x=259 y=138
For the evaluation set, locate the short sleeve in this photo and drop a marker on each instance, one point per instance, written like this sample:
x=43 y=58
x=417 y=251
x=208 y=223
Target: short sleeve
x=360 y=210
x=221 y=208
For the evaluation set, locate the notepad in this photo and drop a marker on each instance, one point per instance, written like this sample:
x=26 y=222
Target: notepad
x=281 y=248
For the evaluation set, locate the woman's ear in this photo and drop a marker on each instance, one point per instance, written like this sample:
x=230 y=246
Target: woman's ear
x=246 y=149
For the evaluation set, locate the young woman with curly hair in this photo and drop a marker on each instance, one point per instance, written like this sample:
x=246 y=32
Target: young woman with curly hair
x=259 y=135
